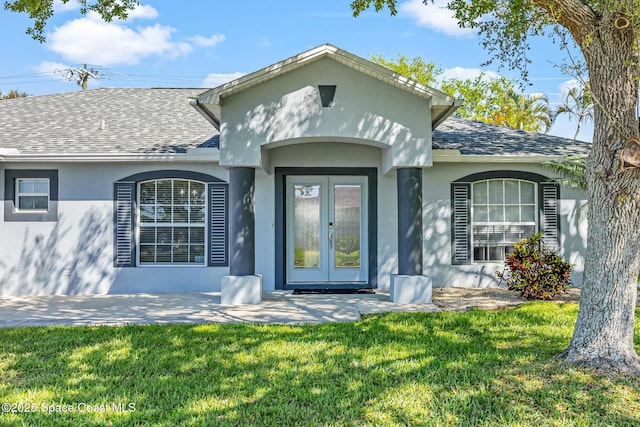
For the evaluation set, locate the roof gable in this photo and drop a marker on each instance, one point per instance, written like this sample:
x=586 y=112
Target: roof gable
x=442 y=105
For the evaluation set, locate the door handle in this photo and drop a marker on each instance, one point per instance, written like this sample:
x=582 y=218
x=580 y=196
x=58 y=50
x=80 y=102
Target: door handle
x=331 y=240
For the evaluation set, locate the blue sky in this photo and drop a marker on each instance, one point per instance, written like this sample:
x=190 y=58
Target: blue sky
x=200 y=43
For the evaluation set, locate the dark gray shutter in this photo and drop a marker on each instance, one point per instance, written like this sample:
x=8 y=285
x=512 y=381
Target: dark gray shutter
x=123 y=224
x=460 y=223
x=550 y=214
x=218 y=219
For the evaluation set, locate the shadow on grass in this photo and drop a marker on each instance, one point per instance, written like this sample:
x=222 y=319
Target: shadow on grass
x=491 y=368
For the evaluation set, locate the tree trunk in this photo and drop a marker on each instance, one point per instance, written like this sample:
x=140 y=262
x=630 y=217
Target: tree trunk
x=580 y=119
x=603 y=336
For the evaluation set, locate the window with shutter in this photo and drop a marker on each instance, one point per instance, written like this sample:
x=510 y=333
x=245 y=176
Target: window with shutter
x=503 y=211
x=550 y=214
x=219 y=200
x=493 y=210
x=460 y=224
x=170 y=218
x=124 y=236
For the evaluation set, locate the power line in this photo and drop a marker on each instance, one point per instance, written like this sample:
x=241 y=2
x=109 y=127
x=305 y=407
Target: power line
x=82 y=74
x=24 y=76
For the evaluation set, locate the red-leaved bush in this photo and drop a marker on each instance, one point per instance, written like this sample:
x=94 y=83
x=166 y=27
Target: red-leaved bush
x=536 y=270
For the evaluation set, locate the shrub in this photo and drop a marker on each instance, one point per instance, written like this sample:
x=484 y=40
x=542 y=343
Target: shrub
x=536 y=270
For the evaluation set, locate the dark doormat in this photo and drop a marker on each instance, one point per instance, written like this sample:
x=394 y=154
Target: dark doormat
x=329 y=291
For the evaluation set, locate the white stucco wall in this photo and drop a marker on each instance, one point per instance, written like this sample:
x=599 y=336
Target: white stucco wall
x=75 y=254
x=437 y=226
x=288 y=108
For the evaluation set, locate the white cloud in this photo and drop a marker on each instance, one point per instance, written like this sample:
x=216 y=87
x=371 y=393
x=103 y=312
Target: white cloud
x=54 y=69
x=435 y=16
x=59 y=6
x=90 y=40
x=467 y=73
x=208 y=41
x=567 y=85
x=263 y=41
x=217 y=79
x=142 y=12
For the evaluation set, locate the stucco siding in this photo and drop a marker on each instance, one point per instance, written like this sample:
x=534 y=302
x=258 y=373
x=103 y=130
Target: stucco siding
x=387 y=229
x=286 y=109
x=265 y=229
x=74 y=255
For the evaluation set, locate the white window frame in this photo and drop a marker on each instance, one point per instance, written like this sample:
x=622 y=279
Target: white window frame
x=534 y=224
x=141 y=225
x=19 y=194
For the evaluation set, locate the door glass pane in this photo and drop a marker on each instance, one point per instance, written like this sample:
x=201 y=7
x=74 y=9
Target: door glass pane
x=347 y=226
x=306 y=226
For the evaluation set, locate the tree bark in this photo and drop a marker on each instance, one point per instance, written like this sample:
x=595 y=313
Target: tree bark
x=603 y=336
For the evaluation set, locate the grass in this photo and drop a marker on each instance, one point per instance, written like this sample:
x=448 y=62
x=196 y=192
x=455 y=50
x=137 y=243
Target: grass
x=476 y=368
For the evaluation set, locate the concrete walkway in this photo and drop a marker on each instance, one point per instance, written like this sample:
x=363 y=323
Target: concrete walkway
x=279 y=307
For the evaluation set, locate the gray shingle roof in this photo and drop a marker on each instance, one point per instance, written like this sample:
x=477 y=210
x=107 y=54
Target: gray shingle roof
x=476 y=138
x=144 y=121
x=135 y=121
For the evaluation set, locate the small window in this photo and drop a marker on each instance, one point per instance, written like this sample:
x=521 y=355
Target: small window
x=503 y=212
x=32 y=195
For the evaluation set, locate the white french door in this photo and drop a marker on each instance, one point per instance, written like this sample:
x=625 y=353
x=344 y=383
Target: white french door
x=326 y=231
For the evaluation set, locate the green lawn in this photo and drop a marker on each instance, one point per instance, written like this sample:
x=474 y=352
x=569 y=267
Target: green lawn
x=475 y=368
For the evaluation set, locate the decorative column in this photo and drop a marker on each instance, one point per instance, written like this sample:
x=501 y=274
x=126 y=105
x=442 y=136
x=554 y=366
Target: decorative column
x=409 y=181
x=409 y=285
x=242 y=222
x=242 y=286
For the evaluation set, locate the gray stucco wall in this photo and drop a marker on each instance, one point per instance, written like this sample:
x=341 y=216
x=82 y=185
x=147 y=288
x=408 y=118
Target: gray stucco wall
x=74 y=255
x=288 y=108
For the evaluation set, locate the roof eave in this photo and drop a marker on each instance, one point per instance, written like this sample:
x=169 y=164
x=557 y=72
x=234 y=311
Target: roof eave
x=445 y=113
x=214 y=96
x=455 y=156
x=192 y=155
x=205 y=112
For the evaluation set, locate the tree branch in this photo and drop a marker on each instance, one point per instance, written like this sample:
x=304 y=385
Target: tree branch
x=575 y=15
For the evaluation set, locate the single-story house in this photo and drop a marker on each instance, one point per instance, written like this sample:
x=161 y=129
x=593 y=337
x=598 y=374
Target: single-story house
x=320 y=171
